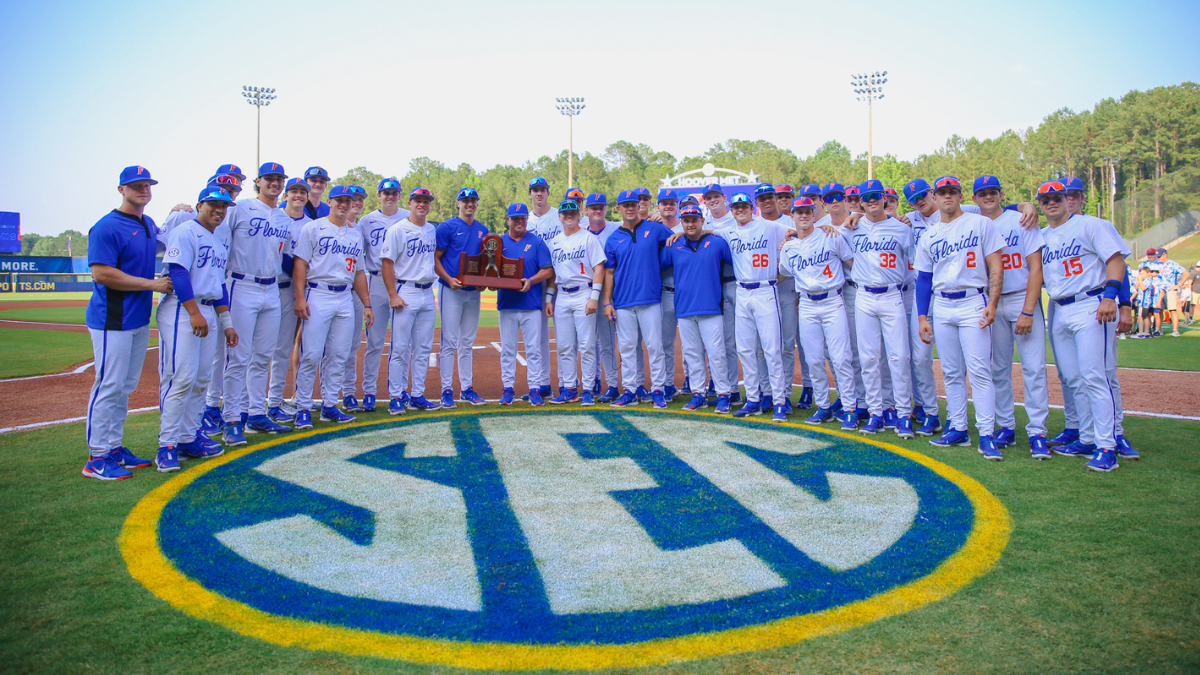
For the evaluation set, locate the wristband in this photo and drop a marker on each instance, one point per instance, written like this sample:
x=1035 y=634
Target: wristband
x=595 y=294
x=1112 y=283
x=1027 y=314
x=609 y=305
x=549 y=297
x=1124 y=304
x=365 y=301
x=224 y=321
x=1110 y=292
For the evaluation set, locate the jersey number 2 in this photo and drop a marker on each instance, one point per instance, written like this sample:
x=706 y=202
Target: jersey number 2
x=970 y=258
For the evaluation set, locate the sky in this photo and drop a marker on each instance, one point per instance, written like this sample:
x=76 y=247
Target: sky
x=91 y=87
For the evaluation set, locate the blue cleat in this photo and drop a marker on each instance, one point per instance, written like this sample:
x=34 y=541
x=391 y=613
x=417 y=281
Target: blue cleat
x=544 y=391
x=890 y=418
x=806 y=399
x=609 y=395
x=787 y=405
x=194 y=451
x=766 y=403
x=587 y=398
x=105 y=468
x=698 y=401
x=535 y=397
x=121 y=455
x=627 y=399
x=422 y=403
x=276 y=414
x=167 y=459
x=735 y=397
x=406 y=399
x=711 y=391
x=1038 y=447
x=687 y=386
x=396 y=406
x=660 y=399
x=952 y=437
x=863 y=414
x=643 y=395
x=1076 y=449
x=212 y=422
x=1125 y=450
x=332 y=414
x=723 y=404
x=566 y=395
x=350 y=403
x=1004 y=437
x=596 y=387
x=780 y=415
x=918 y=413
x=303 y=419
x=202 y=440
x=232 y=435
x=261 y=424
x=1065 y=437
x=987 y=448
x=904 y=428
x=447 y=399
x=468 y=395
x=930 y=426
x=874 y=425
x=670 y=392
x=849 y=421
x=837 y=406
x=822 y=416
x=368 y=403
x=1104 y=460
x=507 y=397
x=751 y=408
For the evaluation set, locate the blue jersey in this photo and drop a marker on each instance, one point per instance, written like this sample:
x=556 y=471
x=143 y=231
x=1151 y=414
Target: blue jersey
x=634 y=259
x=319 y=211
x=537 y=258
x=455 y=237
x=130 y=244
x=697 y=266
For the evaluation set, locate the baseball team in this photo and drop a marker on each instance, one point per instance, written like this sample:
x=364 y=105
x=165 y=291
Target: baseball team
x=288 y=280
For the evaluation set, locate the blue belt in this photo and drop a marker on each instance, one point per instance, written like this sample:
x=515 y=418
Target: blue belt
x=884 y=289
x=420 y=286
x=1070 y=299
x=572 y=289
x=285 y=285
x=726 y=280
x=374 y=274
x=756 y=284
x=822 y=296
x=959 y=295
x=851 y=284
x=265 y=281
x=335 y=289
x=209 y=303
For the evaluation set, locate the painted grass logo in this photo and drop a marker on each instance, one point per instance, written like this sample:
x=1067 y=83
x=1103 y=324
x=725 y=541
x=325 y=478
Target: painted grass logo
x=561 y=539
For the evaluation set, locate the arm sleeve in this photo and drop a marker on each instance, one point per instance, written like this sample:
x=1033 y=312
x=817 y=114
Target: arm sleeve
x=182 y=282
x=1123 y=293
x=288 y=263
x=924 y=292
x=224 y=301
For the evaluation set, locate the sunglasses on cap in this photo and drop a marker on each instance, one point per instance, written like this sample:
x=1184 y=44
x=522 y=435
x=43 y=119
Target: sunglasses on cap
x=229 y=180
x=1051 y=186
x=835 y=197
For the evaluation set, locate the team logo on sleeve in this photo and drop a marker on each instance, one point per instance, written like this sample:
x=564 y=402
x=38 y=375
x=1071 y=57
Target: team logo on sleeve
x=597 y=539
x=174 y=252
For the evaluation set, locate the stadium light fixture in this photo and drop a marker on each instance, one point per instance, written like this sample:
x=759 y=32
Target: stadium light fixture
x=258 y=97
x=868 y=88
x=570 y=107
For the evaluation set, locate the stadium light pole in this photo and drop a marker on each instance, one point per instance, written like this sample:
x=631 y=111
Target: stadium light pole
x=258 y=97
x=570 y=107
x=868 y=88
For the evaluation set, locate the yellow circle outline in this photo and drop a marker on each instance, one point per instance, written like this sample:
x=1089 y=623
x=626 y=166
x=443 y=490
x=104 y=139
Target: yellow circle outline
x=147 y=564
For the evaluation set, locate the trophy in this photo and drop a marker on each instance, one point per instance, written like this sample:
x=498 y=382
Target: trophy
x=489 y=268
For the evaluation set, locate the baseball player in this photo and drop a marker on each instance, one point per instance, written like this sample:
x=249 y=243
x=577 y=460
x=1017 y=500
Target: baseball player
x=346 y=371
x=375 y=226
x=696 y=260
x=881 y=245
x=182 y=213
x=719 y=216
x=121 y=255
x=606 y=331
x=187 y=329
x=668 y=211
x=789 y=316
x=292 y=218
x=957 y=259
x=816 y=264
x=1082 y=265
x=573 y=298
x=767 y=198
x=891 y=204
x=458 y=305
x=1018 y=321
x=644 y=202
x=255 y=262
x=754 y=245
x=833 y=196
x=317 y=179
x=544 y=223
x=519 y=310
x=633 y=295
x=853 y=199
x=407 y=266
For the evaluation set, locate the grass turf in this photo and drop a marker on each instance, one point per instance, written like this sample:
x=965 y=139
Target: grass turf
x=39 y=352
x=38 y=296
x=1099 y=576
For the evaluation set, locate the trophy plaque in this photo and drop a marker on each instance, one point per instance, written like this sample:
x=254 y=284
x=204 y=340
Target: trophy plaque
x=490 y=269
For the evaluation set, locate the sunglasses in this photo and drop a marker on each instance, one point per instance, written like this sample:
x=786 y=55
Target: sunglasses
x=1051 y=199
x=835 y=197
x=872 y=197
x=854 y=198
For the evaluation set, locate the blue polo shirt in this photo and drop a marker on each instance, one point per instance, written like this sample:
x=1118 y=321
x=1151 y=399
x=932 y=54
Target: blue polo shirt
x=537 y=258
x=316 y=213
x=634 y=259
x=456 y=237
x=129 y=244
x=697 y=266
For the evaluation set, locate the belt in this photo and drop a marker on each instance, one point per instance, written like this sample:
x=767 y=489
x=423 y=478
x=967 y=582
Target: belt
x=265 y=281
x=669 y=289
x=209 y=303
x=285 y=285
x=335 y=289
x=572 y=289
x=420 y=286
x=756 y=284
x=374 y=274
x=727 y=280
x=852 y=284
x=1081 y=296
x=822 y=296
x=1013 y=292
x=959 y=295
x=884 y=289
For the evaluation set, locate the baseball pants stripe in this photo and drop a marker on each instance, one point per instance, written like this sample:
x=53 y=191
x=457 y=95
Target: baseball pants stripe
x=412 y=340
x=883 y=329
x=648 y=320
x=285 y=343
x=182 y=374
x=575 y=337
x=349 y=367
x=460 y=322
x=1032 y=349
x=517 y=325
x=700 y=335
x=326 y=333
x=254 y=309
x=965 y=350
x=758 y=328
x=823 y=331
x=119 y=355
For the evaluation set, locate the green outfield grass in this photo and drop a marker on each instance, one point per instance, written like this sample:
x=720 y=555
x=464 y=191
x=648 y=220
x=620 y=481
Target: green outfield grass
x=1099 y=576
x=41 y=351
x=39 y=296
x=1186 y=252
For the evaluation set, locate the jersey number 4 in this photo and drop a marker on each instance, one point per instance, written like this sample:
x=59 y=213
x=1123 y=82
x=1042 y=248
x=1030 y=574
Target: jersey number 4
x=828 y=273
x=760 y=260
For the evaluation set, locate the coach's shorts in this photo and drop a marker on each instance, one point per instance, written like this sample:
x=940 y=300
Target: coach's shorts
x=1195 y=299
x=1173 y=301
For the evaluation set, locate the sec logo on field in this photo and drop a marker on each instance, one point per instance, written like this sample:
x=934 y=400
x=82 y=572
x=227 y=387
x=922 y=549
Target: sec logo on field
x=576 y=539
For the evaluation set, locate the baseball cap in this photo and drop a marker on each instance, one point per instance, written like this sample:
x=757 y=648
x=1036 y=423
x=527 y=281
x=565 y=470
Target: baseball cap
x=763 y=190
x=1051 y=187
x=573 y=193
x=340 y=191
x=803 y=202
x=871 y=185
x=538 y=182
x=641 y=192
x=713 y=187
x=891 y=192
x=226 y=180
x=357 y=192
x=664 y=195
x=852 y=190
x=1072 y=183
x=420 y=192
x=467 y=193
x=1151 y=251
x=388 y=184
x=784 y=189
x=597 y=199
x=690 y=199
x=739 y=198
x=984 y=182
x=627 y=196
x=833 y=188
x=811 y=190
x=214 y=194
x=271 y=169
x=517 y=210
x=914 y=189
x=316 y=172
x=132 y=174
x=568 y=205
x=947 y=181
x=297 y=182
x=231 y=169
x=1162 y=252
x=690 y=212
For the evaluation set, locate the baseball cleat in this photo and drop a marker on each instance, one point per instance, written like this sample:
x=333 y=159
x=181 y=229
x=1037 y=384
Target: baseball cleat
x=406 y=399
x=822 y=416
x=1065 y=437
x=194 y=451
x=1125 y=450
x=806 y=399
x=609 y=395
x=535 y=397
x=836 y=408
x=1038 y=448
x=1076 y=449
x=930 y=426
x=723 y=405
x=587 y=398
x=660 y=399
x=507 y=397
x=711 y=392
x=232 y=435
x=904 y=428
x=863 y=414
x=212 y=422
x=751 y=408
x=167 y=459
x=368 y=403
x=447 y=399
x=121 y=455
x=787 y=405
x=468 y=395
x=203 y=441
x=105 y=468
x=596 y=387
x=698 y=401
x=544 y=391
x=1004 y=437
x=566 y=395
x=670 y=392
x=849 y=421
x=890 y=418
x=279 y=416
x=735 y=398
x=627 y=399
x=332 y=414
x=303 y=420
x=1104 y=460
x=874 y=425
x=779 y=414
x=687 y=386
x=350 y=403
x=918 y=413
x=261 y=424
x=766 y=403
x=422 y=403
x=987 y=448
x=396 y=406
x=952 y=437
x=643 y=395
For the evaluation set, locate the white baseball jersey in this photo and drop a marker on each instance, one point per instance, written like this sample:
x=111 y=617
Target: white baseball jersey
x=881 y=252
x=194 y=248
x=333 y=253
x=546 y=226
x=375 y=226
x=1076 y=256
x=281 y=219
x=921 y=223
x=603 y=235
x=955 y=252
x=410 y=247
x=755 y=249
x=1019 y=245
x=815 y=262
x=256 y=245
x=575 y=258
x=715 y=224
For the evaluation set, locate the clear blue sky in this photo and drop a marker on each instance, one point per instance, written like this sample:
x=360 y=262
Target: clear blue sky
x=92 y=87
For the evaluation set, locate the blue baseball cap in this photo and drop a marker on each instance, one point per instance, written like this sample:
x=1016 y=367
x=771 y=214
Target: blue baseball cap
x=340 y=191
x=947 y=181
x=740 y=198
x=228 y=181
x=689 y=199
x=810 y=190
x=713 y=187
x=133 y=174
x=214 y=194
x=664 y=195
x=271 y=169
x=467 y=193
x=316 y=172
x=517 y=211
x=1052 y=187
x=627 y=196
x=852 y=190
x=763 y=190
x=871 y=185
x=538 y=182
x=232 y=170
x=1072 y=183
x=358 y=192
x=690 y=212
x=641 y=192
x=420 y=192
x=784 y=189
x=388 y=184
x=984 y=182
x=803 y=203
x=297 y=182
x=833 y=188
x=914 y=188
x=568 y=205
x=573 y=193
x=597 y=199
